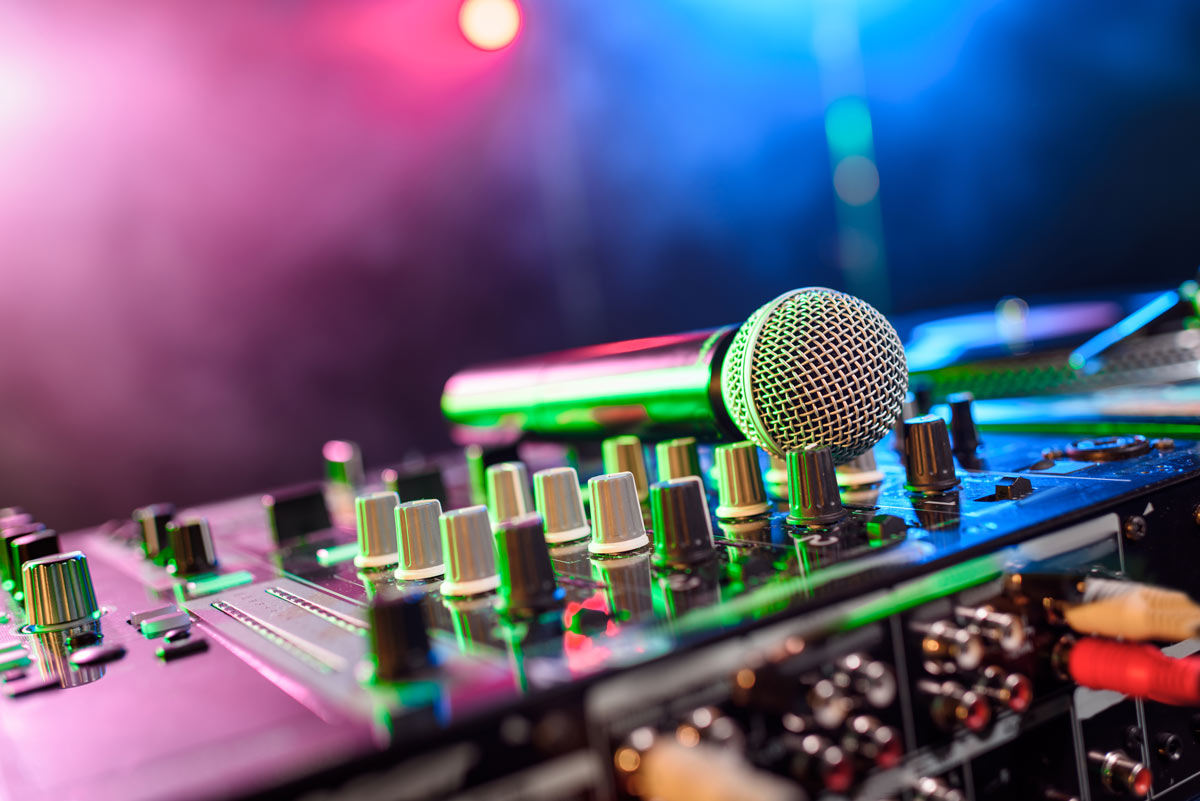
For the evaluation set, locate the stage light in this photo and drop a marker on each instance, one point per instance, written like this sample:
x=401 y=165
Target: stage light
x=490 y=24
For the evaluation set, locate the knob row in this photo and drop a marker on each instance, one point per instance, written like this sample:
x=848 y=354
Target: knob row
x=183 y=545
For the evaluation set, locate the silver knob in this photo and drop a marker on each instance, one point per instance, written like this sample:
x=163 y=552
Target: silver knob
x=343 y=463
x=153 y=520
x=740 y=491
x=560 y=503
x=677 y=458
x=59 y=591
x=508 y=491
x=418 y=540
x=470 y=552
x=375 y=513
x=624 y=454
x=617 y=523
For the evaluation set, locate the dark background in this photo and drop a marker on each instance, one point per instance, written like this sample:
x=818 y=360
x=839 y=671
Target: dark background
x=231 y=231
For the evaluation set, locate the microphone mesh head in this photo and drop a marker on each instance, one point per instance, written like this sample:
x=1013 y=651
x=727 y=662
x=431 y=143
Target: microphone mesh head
x=815 y=367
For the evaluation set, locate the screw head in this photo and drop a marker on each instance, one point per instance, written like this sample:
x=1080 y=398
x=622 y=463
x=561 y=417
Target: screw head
x=1134 y=527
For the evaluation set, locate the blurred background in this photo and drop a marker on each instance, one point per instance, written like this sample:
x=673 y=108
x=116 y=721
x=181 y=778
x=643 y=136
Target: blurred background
x=231 y=231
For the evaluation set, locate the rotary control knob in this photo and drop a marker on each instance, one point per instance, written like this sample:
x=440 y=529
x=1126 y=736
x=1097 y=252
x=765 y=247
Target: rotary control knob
x=928 y=458
x=419 y=540
x=963 y=432
x=343 y=463
x=37 y=545
x=682 y=528
x=526 y=572
x=375 y=518
x=560 y=503
x=152 y=520
x=9 y=535
x=616 y=515
x=399 y=641
x=740 y=491
x=508 y=491
x=677 y=458
x=625 y=454
x=59 y=591
x=813 y=489
x=192 y=549
x=469 y=552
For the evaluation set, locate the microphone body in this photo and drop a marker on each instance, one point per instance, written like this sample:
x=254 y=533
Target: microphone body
x=665 y=386
x=811 y=368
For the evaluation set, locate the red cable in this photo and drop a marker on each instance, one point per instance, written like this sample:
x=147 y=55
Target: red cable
x=1135 y=669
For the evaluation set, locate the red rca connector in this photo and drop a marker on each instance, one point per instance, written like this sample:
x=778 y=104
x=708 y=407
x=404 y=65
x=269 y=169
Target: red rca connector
x=1134 y=669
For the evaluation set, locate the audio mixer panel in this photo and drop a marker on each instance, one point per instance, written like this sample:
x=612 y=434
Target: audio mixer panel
x=734 y=564
x=859 y=637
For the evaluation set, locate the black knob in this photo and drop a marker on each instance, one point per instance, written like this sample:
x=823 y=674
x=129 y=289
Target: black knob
x=295 y=512
x=927 y=455
x=192 y=550
x=682 y=528
x=27 y=548
x=7 y=535
x=152 y=520
x=526 y=573
x=963 y=432
x=399 y=641
x=813 y=489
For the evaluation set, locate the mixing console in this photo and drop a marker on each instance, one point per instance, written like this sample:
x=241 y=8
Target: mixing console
x=992 y=616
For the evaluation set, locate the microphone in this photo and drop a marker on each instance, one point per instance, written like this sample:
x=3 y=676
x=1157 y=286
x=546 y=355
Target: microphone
x=812 y=368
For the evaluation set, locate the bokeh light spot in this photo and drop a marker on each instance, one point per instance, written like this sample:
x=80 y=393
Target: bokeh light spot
x=856 y=180
x=848 y=127
x=490 y=24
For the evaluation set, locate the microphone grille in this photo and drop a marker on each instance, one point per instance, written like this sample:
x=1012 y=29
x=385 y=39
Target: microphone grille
x=815 y=367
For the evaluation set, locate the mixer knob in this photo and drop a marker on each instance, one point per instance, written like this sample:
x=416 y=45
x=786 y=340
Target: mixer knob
x=624 y=454
x=618 y=526
x=343 y=463
x=419 y=540
x=192 y=549
x=59 y=591
x=32 y=546
x=469 y=552
x=928 y=459
x=375 y=516
x=740 y=491
x=153 y=520
x=682 y=526
x=508 y=491
x=560 y=503
x=677 y=458
x=813 y=489
x=399 y=641
x=526 y=572
x=963 y=432
x=8 y=535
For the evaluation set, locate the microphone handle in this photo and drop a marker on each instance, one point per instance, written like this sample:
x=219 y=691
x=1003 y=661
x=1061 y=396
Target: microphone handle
x=660 y=387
